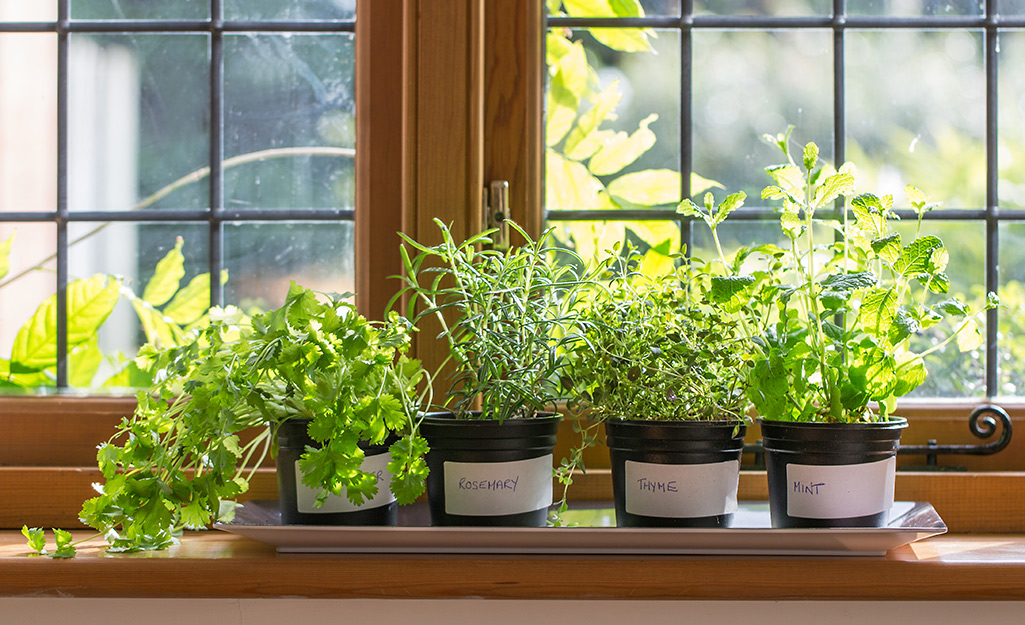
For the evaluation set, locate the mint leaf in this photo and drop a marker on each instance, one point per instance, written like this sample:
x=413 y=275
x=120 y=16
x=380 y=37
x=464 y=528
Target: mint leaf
x=877 y=311
x=731 y=292
x=810 y=155
x=847 y=282
x=888 y=248
x=915 y=258
x=832 y=188
x=953 y=307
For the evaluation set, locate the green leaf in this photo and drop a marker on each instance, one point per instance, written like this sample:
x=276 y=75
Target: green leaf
x=593 y=142
x=870 y=215
x=938 y=260
x=620 y=152
x=5 y=253
x=651 y=187
x=789 y=179
x=888 y=248
x=166 y=277
x=191 y=302
x=954 y=307
x=83 y=363
x=847 y=282
x=90 y=302
x=915 y=258
x=878 y=308
x=904 y=325
x=35 y=537
x=64 y=547
x=730 y=291
x=790 y=221
x=969 y=337
x=700 y=184
x=624 y=39
x=939 y=283
x=910 y=375
x=106 y=459
x=811 y=155
x=832 y=188
x=570 y=186
x=602 y=110
x=568 y=86
x=729 y=204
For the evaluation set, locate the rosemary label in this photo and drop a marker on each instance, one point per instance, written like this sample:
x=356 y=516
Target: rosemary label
x=495 y=488
x=681 y=491
x=840 y=491
x=377 y=464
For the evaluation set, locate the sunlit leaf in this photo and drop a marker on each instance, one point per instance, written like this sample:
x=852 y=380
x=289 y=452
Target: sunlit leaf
x=603 y=109
x=90 y=302
x=5 y=253
x=915 y=258
x=621 y=151
x=191 y=302
x=969 y=337
x=570 y=186
x=84 y=361
x=166 y=277
x=651 y=187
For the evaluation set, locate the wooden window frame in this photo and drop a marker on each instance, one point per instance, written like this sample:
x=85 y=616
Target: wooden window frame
x=448 y=96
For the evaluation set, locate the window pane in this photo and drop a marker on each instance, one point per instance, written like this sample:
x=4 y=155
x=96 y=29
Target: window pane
x=143 y=312
x=950 y=8
x=1010 y=7
x=28 y=134
x=747 y=84
x=137 y=120
x=1011 y=336
x=953 y=373
x=289 y=10
x=21 y=296
x=1011 y=142
x=139 y=9
x=764 y=7
x=916 y=113
x=284 y=93
x=24 y=11
x=262 y=258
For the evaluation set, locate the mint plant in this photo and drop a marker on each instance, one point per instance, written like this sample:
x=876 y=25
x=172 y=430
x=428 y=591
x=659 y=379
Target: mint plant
x=834 y=318
x=180 y=461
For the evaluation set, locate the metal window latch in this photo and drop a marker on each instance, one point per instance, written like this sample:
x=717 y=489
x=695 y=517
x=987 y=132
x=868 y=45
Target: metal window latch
x=496 y=211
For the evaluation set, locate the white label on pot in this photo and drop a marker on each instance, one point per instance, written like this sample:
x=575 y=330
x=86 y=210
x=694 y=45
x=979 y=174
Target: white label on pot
x=840 y=491
x=377 y=464
x=494 y=488
x=681 y=491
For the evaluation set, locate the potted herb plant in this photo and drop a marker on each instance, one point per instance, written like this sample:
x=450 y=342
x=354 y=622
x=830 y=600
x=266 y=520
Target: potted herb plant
x=331 y=386
x=834 y=318
x=664 y=368
x=503 y=315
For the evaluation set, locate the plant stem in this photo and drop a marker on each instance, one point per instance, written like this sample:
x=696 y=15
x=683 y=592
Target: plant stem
x=196 y=176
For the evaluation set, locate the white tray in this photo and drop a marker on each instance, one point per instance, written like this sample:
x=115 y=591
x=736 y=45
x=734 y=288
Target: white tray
x=751 y=534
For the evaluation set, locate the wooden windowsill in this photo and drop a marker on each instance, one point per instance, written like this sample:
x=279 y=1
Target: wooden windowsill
x=215 y=564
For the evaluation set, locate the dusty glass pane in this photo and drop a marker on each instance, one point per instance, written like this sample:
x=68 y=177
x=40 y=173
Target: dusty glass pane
x=24 y=11
x=130 y=252
x=139 y=9
x=28 y=132
x=916 y=113
x=628 y=154
x=262 y=258
x=22 y=291
x=289 y=10
x=289 y=109
x=748 y=84
x=1011 y=327
x=764 y=7
x=1011 y=139
x=1010 y=7
x=914 y=8
x=953 y=373
x=137 y=120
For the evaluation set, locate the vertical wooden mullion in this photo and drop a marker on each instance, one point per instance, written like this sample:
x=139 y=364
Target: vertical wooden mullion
x=383 y=121
x=513 y=139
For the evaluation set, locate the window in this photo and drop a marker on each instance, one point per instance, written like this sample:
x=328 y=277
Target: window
x=922 y=92
x=219 y=136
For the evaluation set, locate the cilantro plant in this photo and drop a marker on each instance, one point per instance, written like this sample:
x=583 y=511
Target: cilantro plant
x=180 y=461
x=504 y=315
x=834 y=318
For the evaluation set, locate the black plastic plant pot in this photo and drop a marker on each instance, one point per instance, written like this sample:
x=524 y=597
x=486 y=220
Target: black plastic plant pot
x=831 y=474
x=674 y=473
x=296 y=499
x=486 y=473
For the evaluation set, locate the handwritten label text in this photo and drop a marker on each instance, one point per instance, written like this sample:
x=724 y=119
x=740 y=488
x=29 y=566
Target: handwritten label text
x=506 y=484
